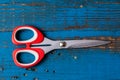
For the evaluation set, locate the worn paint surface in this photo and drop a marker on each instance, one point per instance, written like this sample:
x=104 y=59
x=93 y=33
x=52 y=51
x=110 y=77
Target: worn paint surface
x=64 y=19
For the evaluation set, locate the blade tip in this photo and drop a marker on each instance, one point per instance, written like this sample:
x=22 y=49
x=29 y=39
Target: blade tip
x=108 y=42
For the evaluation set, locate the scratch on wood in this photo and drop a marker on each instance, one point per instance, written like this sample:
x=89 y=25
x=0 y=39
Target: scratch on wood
x=3 y=29
x=5 y=46
x=5 y=42
x=36 y=4
x=76 y=27
x=6 y=29
x=107 y=2
x=43 y=4
x=25 y=4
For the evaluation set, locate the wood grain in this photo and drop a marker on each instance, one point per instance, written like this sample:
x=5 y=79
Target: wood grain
x=59 y=20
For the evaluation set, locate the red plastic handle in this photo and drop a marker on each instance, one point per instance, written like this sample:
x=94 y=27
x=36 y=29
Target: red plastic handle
x=37 y=38
x=37 y=52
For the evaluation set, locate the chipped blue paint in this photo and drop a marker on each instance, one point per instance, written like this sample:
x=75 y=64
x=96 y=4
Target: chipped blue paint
x=63 y=19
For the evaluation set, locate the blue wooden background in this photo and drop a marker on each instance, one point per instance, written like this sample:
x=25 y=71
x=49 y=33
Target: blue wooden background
x=64 y=19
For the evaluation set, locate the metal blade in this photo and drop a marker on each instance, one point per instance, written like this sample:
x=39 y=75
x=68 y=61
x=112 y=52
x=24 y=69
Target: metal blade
x=84 y=43
x=61 y=44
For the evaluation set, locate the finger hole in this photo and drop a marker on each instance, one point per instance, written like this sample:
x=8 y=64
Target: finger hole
x=23 y=35
x=26 y=57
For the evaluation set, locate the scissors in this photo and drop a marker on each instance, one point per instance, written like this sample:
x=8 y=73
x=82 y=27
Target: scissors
x=38 y=45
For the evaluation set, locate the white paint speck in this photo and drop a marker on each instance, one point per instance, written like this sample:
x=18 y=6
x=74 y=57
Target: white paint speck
x=81 y=6
x=75 y=57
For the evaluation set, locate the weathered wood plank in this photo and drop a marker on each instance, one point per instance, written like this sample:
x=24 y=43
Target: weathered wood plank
x=64 y=19
x=53 y=16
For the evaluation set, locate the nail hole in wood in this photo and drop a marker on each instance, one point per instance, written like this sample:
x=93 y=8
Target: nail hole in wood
x=35 y=79
x=46 y=70
x=25 y=74
x=14 y=77
x=53 y=71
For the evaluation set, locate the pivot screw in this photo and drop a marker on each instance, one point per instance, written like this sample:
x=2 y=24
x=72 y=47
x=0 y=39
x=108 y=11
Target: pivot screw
x=62 y=44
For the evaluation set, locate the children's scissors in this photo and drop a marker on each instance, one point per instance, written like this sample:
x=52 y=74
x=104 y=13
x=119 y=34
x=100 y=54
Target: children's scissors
x=38 y=45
